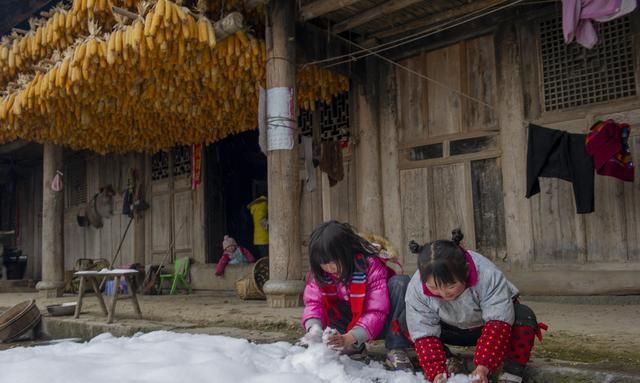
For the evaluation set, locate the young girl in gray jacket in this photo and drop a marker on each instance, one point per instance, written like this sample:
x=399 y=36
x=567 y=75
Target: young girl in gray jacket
x=459 y=297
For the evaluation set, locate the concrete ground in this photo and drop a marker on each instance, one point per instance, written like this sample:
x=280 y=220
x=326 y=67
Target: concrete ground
x=587 y=335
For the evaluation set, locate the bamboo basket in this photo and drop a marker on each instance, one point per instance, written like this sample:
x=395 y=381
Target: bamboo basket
x=250 y=287
x=18 y=320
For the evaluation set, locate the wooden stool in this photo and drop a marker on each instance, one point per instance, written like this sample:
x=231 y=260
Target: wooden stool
x=115 y=275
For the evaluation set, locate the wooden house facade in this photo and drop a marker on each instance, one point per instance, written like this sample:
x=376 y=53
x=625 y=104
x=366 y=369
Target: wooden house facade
x=436 y=133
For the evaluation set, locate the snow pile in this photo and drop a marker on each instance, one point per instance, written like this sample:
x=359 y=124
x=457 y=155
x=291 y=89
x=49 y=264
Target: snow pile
x=166 y=357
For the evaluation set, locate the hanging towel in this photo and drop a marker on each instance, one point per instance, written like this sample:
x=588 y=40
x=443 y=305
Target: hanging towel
x=558 y=154
x=331 y=161
x=608 y=144
x=578 y=16
x=310 y=182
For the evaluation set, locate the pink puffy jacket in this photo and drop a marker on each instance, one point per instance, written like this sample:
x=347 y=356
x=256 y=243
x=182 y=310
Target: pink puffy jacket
x=376 y=303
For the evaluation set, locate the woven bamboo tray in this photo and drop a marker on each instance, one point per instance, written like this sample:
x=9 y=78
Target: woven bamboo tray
x=18 y=320
x=250 y=287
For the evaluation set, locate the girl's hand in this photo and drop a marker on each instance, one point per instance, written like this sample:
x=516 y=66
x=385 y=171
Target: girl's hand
x=479 y=375
x=440 y=378
x=340 y=341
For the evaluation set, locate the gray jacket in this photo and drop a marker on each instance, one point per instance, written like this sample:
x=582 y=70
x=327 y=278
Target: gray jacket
x=491 y=298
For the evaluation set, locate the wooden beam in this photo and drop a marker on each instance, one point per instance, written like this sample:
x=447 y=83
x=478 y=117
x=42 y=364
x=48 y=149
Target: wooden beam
x=229 y=25
x=13 y=146
x=17 y=14
x=438 y=18
x=373 y=13
x=322 y=7
x=225 y=27
x=125 y=13
x=251 y=4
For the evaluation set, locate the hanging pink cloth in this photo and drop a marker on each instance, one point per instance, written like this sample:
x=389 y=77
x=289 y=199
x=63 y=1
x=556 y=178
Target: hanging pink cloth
x=56 y=182
x=578 y=17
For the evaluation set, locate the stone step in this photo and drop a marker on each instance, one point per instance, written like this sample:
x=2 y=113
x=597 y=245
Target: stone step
x=17 y=286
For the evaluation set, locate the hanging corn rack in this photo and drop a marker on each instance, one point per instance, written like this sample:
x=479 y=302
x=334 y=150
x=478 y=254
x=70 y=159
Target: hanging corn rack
x=167 y=77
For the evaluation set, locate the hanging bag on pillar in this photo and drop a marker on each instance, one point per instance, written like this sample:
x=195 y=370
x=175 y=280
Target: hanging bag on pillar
x=56 y=182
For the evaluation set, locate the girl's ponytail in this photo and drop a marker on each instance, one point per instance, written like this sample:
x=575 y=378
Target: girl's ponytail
x=444 y=261
x=457 y=236
x=415 y=247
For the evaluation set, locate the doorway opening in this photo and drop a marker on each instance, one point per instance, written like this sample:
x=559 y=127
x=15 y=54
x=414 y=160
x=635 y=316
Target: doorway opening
x=236 y=174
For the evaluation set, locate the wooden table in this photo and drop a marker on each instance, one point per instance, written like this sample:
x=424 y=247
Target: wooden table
x=116 y=275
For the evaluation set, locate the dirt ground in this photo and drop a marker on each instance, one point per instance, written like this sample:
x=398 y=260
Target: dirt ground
x=599 y=331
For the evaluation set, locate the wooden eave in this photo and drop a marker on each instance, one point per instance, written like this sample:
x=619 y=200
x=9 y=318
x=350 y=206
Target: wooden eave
x=375 y=21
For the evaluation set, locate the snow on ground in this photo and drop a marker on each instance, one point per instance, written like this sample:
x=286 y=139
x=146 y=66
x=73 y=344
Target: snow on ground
x=166 y=357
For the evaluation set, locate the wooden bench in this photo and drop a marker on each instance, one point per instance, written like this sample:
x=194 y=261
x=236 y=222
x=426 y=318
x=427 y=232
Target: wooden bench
x=116 y=276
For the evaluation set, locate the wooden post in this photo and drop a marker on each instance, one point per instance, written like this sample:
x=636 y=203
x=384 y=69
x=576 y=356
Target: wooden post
x=368 y=189
x=285 y=274
x=52 y=225
x=513 y=133
x=389 y=173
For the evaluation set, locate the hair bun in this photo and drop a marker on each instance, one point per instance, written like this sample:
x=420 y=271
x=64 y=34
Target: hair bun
x=415 y=247
x=457 y=236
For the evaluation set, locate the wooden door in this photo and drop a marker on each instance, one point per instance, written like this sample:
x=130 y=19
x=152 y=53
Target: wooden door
x=171 y=199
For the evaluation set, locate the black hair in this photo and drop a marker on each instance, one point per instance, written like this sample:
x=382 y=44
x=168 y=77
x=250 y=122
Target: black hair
x=443 y=260
x=337 y=242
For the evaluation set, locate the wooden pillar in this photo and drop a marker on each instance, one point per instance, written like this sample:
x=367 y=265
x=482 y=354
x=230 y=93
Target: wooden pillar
x=52 y=225
x=368 y=188
x=513 y=134
x=139 y=219
x=389 y=170
x=285 y=283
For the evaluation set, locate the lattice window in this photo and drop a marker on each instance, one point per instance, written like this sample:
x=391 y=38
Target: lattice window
x=334 y=119
x=305 y=122
x=574 y=75
x=181 y=160
x=160 y=166
x=75 y=182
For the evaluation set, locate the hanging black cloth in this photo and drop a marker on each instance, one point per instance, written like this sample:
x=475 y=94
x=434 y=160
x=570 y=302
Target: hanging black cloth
x=558 y=154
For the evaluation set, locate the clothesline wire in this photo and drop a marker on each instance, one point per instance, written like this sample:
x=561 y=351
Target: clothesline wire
x=410 y=38
x=423 y=76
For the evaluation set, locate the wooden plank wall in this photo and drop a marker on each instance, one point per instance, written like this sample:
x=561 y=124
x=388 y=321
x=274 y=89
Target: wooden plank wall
x=89 y=242
x=607 y=239
x=29 y=189
x=437 y=198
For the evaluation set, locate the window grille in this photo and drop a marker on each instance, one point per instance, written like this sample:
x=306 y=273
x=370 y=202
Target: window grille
x=75 y=182
x=334 y=119
x=160 y=166
x=181 y=160
x=575 y=76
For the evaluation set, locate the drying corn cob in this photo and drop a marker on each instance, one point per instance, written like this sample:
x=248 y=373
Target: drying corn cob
x=151 y=85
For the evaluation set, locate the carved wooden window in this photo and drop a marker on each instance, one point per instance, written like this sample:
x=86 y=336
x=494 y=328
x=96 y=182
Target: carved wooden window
x=160 y=166
x=75 y=182
x=334 y=119
x=452 y=148
x=181 y=160
x=176 y=162
x=574 y=76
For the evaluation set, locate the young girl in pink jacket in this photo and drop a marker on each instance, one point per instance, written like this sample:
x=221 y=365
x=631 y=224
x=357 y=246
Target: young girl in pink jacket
x=351 y=289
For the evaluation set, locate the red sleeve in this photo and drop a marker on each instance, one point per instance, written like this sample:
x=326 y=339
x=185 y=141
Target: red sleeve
x=492 y=345
x=222 y=263
x=431 y=356
x=247 y=254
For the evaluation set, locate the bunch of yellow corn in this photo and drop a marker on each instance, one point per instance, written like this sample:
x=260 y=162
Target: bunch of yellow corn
x=58 y=32
x=316 y=84
x=159 y=82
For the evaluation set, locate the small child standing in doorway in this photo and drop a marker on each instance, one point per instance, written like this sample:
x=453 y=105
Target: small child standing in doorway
x=353 y=290
x=459 y=297
x=233 y=255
